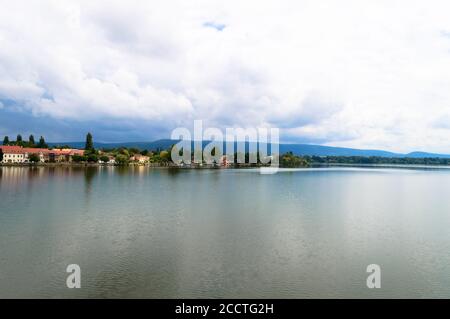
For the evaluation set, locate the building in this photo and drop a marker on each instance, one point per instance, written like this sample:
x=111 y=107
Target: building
x=226 y=161
x=12 y=154
x=42 y=153
x=141 y=159
x=63 y=155
x=19 y=154
x=111 y=160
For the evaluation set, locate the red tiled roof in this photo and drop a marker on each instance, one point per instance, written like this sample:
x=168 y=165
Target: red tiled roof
x=59 y=152
x=31 y=150
x=66 y=151
x=139 y=156
x=6 y=149
x=77 y=152
x=22 y=150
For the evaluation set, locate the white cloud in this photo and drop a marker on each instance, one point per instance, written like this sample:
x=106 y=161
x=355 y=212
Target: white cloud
x=349 y=73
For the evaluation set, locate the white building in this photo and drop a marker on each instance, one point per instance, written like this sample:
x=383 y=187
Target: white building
x=40 y=152
x=12 y=154
x=141 y=159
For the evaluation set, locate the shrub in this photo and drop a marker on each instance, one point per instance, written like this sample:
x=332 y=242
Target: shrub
x=78 y=158
x=121 y=159
x=92 y=158
x=34 y=158
x=104 y=159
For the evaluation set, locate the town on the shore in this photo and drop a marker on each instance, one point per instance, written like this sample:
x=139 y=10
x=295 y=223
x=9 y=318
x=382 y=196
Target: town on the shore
x=30 y=152
x=21 y=152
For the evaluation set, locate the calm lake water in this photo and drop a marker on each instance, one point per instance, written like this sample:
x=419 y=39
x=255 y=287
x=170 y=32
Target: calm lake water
x=158 y=233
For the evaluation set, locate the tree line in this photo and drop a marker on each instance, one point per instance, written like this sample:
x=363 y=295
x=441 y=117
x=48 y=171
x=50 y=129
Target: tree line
x=30 y=143
x=163 y=157
x=372 y=160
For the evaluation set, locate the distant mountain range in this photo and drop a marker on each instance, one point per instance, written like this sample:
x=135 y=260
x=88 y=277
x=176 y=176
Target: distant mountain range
x=297 y=149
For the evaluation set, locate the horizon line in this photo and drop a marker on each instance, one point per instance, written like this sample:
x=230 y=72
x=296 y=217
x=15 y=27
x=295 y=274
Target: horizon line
x=280 y=143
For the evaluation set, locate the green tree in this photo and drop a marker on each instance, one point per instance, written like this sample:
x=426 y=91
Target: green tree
x=31 y=140
x=121 y=159
x=92 y=158
x=290 y=160
x=104 y=158
x=6 y=140
x=124 y=151
x=89 y=143
x=78 y=158
x=42 y=143
x=134 y=150
x=61 y=146
x=164 y=156
x=19 y=140
x=34 y=158
x=1 y=155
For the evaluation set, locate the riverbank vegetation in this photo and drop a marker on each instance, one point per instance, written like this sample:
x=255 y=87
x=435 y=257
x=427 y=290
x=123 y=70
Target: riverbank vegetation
x=376 y=160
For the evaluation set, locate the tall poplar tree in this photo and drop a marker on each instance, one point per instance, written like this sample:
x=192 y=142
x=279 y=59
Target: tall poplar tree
x=89 y=143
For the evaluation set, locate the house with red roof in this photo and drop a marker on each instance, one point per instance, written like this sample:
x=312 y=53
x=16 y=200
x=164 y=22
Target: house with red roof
x=19 y=154
x=12 y=154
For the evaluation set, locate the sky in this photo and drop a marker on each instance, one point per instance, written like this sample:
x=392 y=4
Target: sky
x=363 y=74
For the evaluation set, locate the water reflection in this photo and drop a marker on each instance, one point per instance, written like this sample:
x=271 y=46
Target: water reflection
x=89 y=175
x=163 y=233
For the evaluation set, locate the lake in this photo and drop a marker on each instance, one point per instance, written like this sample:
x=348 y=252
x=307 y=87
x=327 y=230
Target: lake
x=140 y=232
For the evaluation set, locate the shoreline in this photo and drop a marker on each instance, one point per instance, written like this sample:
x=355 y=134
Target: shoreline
x=211 y=167
x=153 y=165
